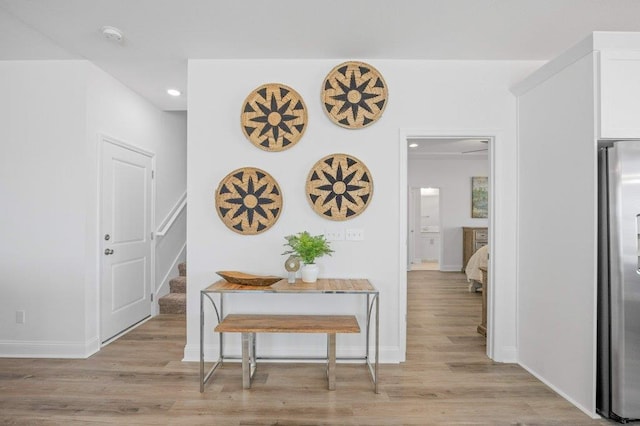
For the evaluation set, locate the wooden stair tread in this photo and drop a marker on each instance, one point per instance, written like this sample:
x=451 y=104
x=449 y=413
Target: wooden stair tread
x=241 y=323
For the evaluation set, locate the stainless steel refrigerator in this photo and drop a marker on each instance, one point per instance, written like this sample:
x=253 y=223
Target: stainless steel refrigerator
x=618 y=375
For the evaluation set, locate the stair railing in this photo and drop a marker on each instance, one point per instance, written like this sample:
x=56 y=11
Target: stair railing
x=177 y=209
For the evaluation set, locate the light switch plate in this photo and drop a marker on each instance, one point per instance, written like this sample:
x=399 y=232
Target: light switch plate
x=354 y=234
x=334 y=234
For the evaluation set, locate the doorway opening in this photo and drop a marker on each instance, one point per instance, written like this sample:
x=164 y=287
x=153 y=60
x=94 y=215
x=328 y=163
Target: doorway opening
x=425 y=229
x=447 y=163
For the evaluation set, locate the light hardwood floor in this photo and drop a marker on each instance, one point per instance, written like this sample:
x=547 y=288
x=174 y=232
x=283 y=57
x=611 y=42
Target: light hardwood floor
x=140 y=379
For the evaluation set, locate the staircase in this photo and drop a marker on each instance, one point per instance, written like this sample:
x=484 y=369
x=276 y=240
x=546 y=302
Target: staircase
x=176 y=301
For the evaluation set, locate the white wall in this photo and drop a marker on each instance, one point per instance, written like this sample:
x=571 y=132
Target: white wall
x=557 y=232
x=42 y=219
x=433 y=95
x=50 y=116
x=453 y=177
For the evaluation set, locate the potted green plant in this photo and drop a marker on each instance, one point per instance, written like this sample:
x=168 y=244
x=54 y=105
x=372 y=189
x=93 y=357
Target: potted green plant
x=308 y=248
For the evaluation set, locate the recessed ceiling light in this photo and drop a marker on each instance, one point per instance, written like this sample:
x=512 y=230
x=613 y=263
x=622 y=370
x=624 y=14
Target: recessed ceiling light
x=174 y=92
x=413 y=145
x=112 y=33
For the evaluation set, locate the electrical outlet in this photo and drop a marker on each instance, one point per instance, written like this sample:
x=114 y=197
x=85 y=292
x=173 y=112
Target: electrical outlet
x=334 y=234
x=20 y=317
x=354 y=234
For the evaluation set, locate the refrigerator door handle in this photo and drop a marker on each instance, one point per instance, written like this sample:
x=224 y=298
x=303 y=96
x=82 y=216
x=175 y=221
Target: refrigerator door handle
x=637 y=238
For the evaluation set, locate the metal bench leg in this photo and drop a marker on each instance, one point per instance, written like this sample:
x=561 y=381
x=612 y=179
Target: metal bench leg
x=252 y=356
x=246 y=360
x=331 y=359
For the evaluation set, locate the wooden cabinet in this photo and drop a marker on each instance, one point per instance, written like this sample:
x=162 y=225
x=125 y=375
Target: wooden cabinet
x=472 y=240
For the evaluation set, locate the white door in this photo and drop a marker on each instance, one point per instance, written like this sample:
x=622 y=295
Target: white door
x=125 y=296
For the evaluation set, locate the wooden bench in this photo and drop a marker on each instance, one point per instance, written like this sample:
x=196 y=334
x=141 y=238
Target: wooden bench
x=249 y=325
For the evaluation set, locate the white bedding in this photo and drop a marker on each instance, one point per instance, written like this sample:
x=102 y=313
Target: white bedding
x=478 y=259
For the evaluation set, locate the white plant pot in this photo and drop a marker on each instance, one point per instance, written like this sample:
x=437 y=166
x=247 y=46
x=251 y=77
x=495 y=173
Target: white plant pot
x=310 y=273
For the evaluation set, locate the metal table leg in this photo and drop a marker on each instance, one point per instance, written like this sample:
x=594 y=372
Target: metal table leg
x=201 y=342
x=377 y=339
x=204 y=378
x=373 y=369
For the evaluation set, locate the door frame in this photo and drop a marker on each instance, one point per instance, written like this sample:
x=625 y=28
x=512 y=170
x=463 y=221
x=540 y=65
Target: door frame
x=102 y=139
x=404 y=134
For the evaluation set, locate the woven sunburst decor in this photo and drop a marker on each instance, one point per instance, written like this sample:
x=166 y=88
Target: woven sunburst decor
x=274 y=117
x=354 y=95
x=339 y=187
x=248 y=201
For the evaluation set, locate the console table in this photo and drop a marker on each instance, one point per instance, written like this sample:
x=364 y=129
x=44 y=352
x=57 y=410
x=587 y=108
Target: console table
x=323 y=286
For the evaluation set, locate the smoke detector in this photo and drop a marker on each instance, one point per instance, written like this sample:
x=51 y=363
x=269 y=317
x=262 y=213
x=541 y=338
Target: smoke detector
x=112 y=33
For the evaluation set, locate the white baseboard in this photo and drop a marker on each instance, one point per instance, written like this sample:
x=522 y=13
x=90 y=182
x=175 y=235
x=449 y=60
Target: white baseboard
x=589 y=412
x=24 y=349
x=506 y=354
x=388 y=355
x=450 y=268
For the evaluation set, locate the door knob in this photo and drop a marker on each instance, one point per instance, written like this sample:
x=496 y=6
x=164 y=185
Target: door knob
x=108 y=252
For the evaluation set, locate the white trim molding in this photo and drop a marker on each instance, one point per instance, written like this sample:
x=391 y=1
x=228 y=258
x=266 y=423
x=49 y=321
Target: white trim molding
x=49 y=349
x=582 y=408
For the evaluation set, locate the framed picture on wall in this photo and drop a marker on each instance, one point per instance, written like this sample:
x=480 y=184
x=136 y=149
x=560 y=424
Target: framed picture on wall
x=479 y=197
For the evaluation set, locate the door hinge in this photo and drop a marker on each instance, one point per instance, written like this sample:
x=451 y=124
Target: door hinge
x=152 y=235
x=153 y=174
x=152 y=297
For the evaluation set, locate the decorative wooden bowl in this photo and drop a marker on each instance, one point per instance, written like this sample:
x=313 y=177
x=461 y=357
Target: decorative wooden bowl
x=236 y=277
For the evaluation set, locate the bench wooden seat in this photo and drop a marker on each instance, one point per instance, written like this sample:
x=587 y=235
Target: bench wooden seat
x=240 y=323
x=249 y=325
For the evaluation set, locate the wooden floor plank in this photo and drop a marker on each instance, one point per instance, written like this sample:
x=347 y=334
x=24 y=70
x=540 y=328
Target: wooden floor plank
x=141 y=380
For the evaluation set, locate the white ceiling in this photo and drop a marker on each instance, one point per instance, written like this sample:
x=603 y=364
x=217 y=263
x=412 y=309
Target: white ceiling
x=161 y=35
x=434 y=147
